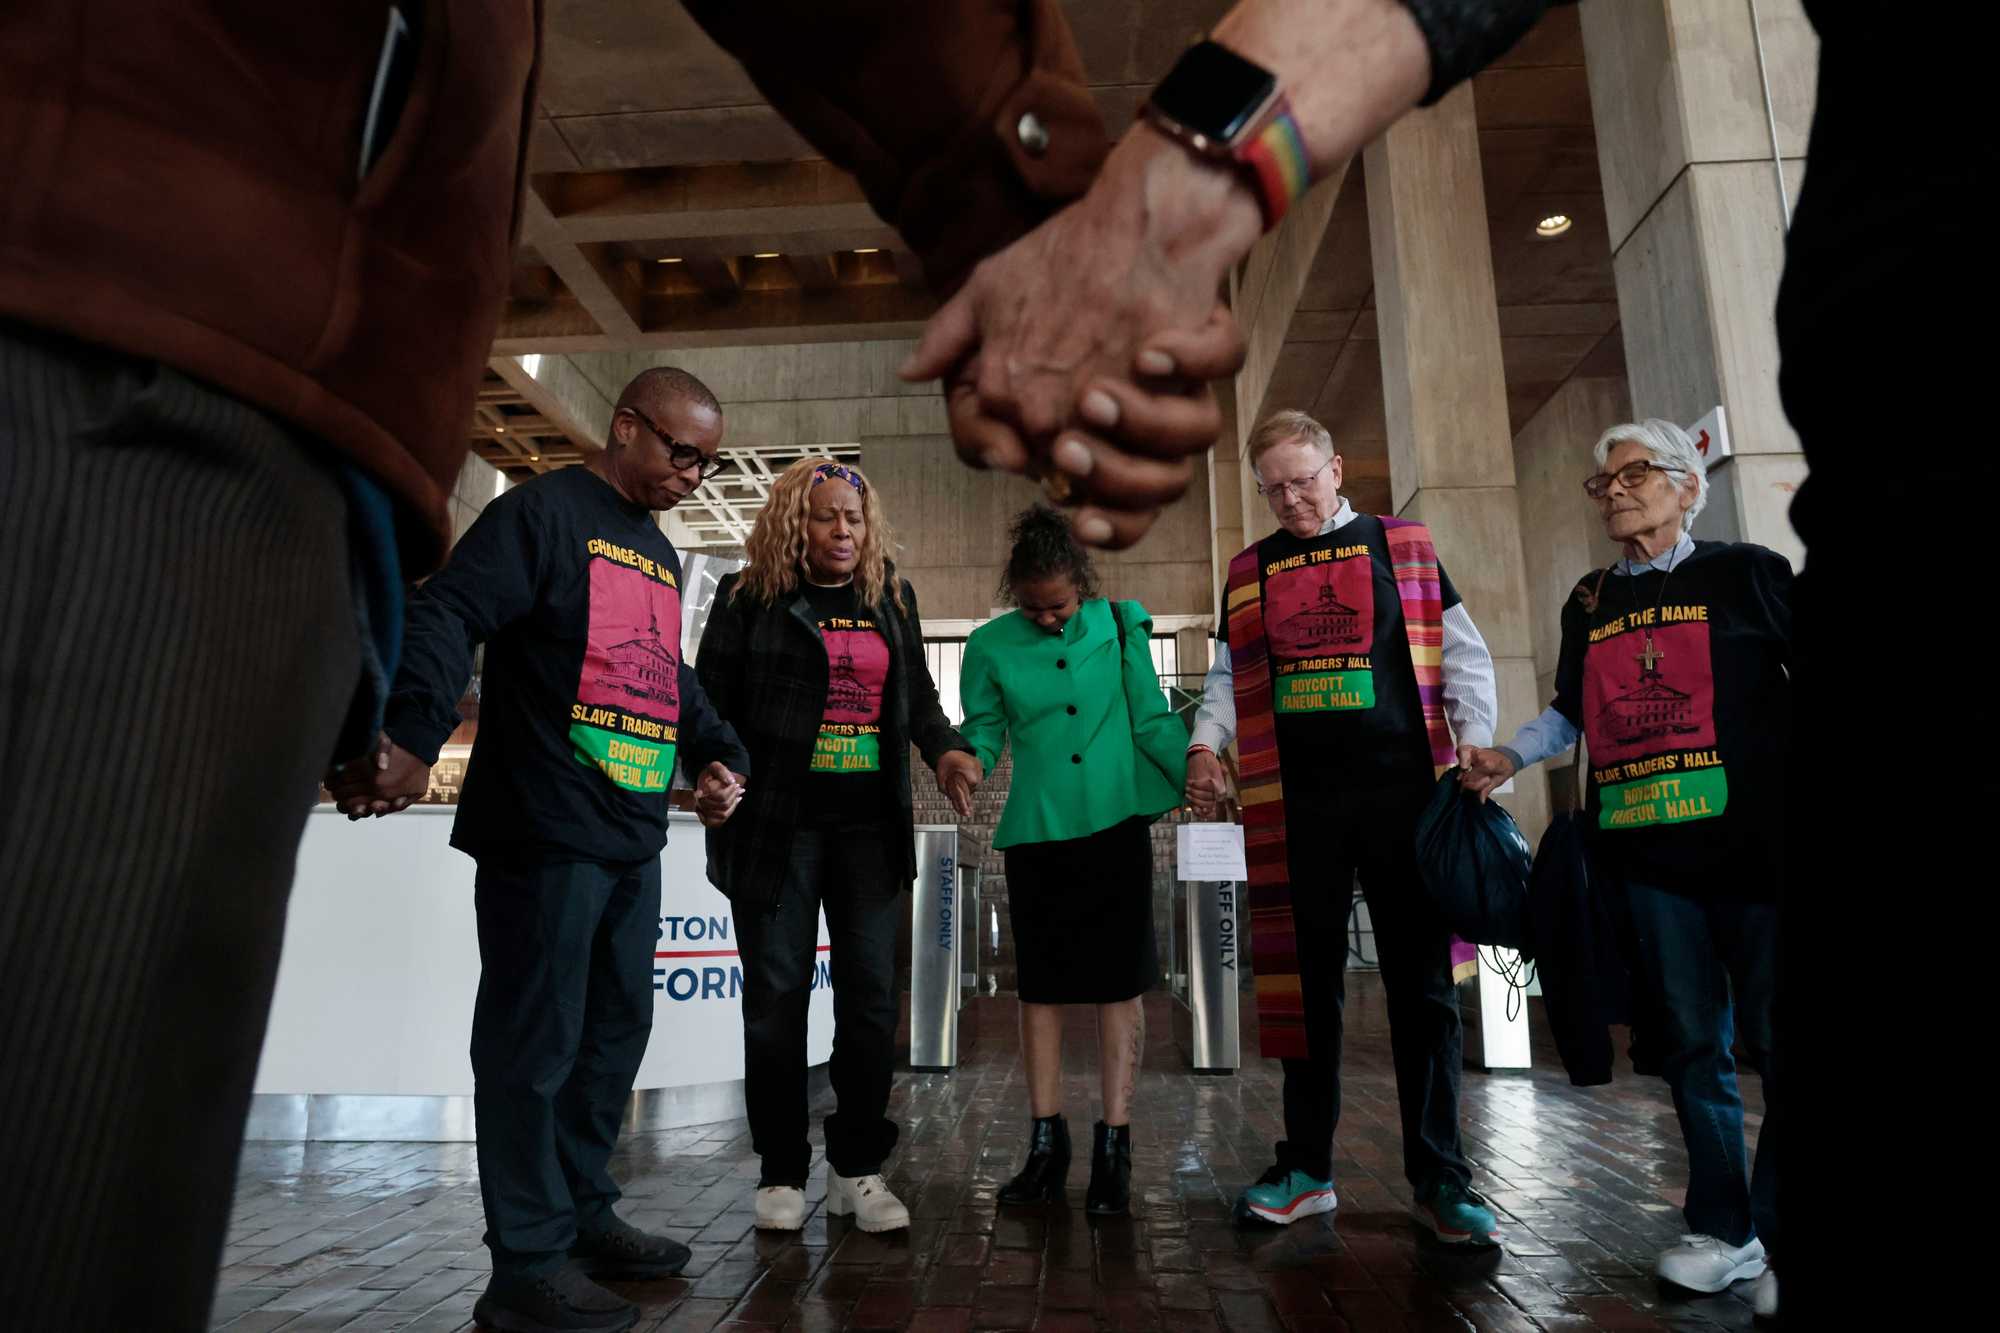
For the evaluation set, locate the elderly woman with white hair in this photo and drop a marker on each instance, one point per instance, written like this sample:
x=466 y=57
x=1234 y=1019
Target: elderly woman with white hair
x=1674 y=671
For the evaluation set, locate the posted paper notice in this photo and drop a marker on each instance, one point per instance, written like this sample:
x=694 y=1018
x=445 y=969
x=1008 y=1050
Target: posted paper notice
x=1211 y=852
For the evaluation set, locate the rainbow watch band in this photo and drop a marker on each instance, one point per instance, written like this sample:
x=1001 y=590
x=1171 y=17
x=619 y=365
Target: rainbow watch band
x=1276 y=156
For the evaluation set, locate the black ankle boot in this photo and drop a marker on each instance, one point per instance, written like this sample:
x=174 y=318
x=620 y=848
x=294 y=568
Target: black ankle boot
x=1110 y=1172
x=1047 y=1171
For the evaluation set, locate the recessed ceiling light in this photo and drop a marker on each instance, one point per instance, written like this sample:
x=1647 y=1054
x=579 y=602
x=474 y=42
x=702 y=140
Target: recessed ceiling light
x=499 y=430
x=673 y=260
x=1555 y=224
x=766 y=254
x=534 y=458
x=869 y=250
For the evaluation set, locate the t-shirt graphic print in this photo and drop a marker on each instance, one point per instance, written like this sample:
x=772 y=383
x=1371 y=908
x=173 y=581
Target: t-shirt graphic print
x=1649 y=715
x=628 y=704
x=857 y=668
x=1319 y=619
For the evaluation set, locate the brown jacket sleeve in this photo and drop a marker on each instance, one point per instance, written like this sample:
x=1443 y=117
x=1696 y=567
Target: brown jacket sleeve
x=923 y=102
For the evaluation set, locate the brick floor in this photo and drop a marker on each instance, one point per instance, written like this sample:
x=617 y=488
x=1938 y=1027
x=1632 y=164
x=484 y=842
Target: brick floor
x=1587 y=1182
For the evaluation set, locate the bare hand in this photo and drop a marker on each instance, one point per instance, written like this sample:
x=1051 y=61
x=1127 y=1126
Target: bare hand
x=1042 y=344
x=1481 y=769
x=382 y=782
x=717 y=793
x=959 y=775
x=1207 y=783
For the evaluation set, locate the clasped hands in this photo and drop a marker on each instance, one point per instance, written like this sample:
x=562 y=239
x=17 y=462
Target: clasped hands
x=388 y=778
x=1207 y=784
x=1082 y=353
x=959 y=774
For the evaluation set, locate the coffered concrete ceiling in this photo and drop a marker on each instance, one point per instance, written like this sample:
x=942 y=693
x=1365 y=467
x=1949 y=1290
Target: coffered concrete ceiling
x=652 y=145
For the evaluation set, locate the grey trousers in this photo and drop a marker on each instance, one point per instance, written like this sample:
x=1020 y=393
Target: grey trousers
x=177 y=651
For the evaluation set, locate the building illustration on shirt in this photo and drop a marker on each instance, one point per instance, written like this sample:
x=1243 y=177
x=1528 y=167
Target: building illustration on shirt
x=1653 y=710
x=1323 y=623
x=644 y=667
x=845 y=691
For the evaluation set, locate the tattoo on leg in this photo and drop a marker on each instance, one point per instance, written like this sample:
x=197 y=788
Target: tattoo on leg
x=1138 y=1046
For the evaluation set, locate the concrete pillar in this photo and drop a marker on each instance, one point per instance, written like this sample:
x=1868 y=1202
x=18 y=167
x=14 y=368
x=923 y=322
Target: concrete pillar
x=1686 y=140
x=1191 y=647
x=479 y=484
x=1451 y=455
x=1264 y=294
x=1228 y=481
x=951 y=525
x=1562 y=534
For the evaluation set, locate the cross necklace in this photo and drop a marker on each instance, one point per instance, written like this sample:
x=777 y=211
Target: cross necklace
x=1651 y=658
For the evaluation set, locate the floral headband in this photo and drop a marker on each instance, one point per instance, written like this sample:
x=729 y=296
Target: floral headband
x=846 y=474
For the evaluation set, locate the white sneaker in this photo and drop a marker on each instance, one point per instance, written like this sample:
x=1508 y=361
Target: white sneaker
x=781 y=1208
x=1705 y=1264
x=1764 y=1296
x=868 y=1198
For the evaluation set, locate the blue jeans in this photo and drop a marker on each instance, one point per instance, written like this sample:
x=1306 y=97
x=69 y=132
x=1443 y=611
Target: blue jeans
x=1696 y=955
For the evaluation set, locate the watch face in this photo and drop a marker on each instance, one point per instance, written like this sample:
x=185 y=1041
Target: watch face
x=1213 y=91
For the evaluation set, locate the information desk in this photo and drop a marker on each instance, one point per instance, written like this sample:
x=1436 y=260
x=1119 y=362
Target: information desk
x=373 y=1013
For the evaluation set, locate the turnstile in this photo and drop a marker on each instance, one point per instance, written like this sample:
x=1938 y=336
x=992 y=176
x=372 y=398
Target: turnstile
x=944 y=949
x=1209 y=958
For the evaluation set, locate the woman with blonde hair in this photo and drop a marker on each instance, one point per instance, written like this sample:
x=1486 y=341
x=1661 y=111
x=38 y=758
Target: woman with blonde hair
x=815 y=654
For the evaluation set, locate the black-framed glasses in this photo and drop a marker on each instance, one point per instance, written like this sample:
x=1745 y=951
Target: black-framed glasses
x=1629 y=476
x=1295 y=487
x=683 y=456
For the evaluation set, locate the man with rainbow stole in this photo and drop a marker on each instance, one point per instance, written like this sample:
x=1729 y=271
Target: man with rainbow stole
x=1346 y=650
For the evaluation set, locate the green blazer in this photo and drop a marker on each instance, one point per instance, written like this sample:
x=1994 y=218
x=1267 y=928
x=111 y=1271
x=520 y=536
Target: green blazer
x=1094 y=740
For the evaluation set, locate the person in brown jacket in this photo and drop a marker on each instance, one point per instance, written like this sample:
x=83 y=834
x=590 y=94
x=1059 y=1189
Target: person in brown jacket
x=251 y=264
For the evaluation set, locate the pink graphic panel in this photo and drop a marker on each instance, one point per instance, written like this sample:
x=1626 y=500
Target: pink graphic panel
x=857 y=666
x=1634 y=705
x=1319 y=609
x=632 y=659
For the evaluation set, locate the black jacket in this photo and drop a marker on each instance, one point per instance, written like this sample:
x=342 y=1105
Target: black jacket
x=764 y=669
x=1583 y=950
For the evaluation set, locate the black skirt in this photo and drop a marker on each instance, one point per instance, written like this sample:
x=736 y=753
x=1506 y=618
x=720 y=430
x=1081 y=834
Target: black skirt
x=1082 y=911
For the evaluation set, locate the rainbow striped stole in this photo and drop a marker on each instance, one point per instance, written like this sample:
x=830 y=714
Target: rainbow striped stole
x=1274 y=958
x=1414 y=562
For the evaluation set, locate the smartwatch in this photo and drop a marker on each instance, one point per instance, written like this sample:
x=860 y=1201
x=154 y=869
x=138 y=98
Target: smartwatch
x=1228 y=109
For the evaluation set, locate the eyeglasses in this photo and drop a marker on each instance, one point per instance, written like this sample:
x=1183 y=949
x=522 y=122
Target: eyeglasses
x=1629 y=476
x=1295 y=487
x=683 y=456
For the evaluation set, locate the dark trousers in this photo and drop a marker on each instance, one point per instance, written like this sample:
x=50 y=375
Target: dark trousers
x=565 y=1007
x=177 y=651
x=857 y=876
x=1331 y=839
x=1708 y=969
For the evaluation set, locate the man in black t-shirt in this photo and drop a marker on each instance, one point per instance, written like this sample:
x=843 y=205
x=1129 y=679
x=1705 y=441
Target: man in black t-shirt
x=585 y=706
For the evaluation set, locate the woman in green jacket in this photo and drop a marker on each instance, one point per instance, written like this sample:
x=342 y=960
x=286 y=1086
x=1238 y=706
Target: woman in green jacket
x=1098 y=756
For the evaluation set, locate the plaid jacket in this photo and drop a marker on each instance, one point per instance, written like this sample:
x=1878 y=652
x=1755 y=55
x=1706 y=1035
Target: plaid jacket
x=764 y=669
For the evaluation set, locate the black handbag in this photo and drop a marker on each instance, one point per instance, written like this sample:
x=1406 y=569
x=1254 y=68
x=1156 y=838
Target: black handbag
x=1475 y=862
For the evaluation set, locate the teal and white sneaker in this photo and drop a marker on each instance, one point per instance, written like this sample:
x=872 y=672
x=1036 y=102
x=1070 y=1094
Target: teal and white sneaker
x=1457 y=1215
x=1283 y=1196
